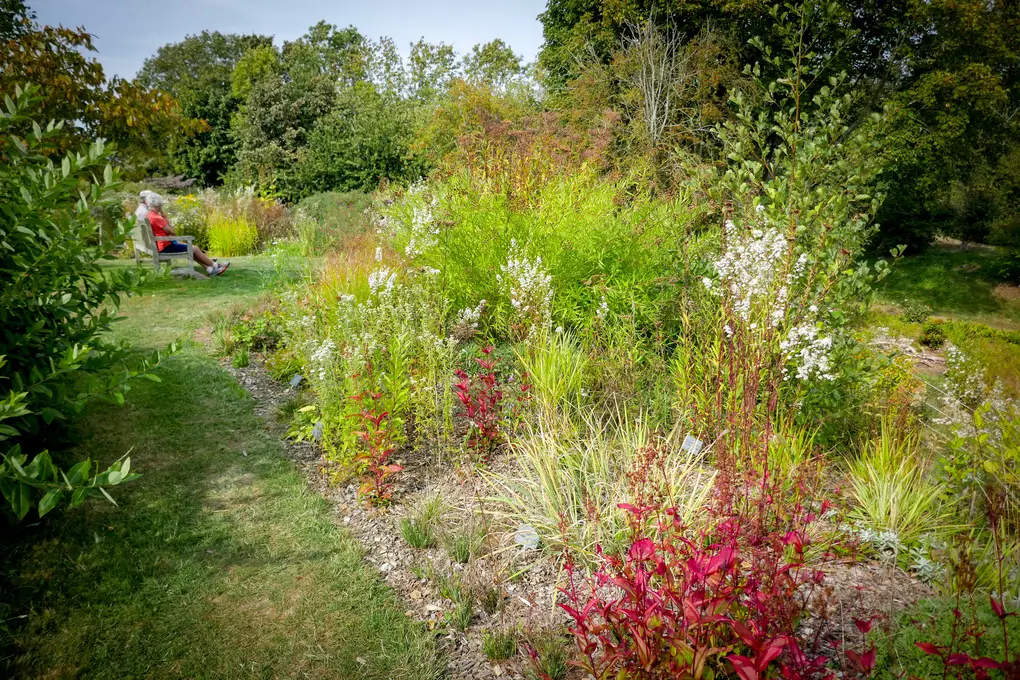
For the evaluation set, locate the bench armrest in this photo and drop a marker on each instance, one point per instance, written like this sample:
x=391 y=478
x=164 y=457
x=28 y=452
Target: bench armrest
x=187 y=239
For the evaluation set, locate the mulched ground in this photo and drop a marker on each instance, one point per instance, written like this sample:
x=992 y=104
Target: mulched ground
x=521 y=584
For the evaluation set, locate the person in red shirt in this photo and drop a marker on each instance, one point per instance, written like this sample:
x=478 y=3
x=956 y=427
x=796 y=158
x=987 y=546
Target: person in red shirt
x=161 y=227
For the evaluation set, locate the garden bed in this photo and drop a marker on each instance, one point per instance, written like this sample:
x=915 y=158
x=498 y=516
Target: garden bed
x=514 y=588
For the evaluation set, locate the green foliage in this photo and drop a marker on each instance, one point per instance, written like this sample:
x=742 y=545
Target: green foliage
x=231 y=235
x=259 y=332
x=326 y=220
x=551 y=656
x=932 y=335
x=421 y=526
x=933 y=621
x=916 y=312
x=493 y=64
x=555 y=366
x=241 y=358
x=499 y=644
x=365 y=138
x=893 y=492
x=56 y=303
x=197 y=71
x=462 y=545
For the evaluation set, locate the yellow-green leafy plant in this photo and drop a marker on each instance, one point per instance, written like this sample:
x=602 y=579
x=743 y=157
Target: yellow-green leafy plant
x=895 y=499
x=570 y=481
x=231 y=235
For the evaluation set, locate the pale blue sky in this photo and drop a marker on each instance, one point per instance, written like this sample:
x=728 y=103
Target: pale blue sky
x=128 y=31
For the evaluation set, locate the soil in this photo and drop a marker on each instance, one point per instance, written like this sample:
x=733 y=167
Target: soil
x=513 y=587
x=1007 y=291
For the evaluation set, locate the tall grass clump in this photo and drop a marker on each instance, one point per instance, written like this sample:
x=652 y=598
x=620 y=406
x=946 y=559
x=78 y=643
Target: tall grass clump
x=571 y=480
x=231 y=236
x=895 y=494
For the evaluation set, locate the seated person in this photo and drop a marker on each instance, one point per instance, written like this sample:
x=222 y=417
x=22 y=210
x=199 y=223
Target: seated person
x=160 y=227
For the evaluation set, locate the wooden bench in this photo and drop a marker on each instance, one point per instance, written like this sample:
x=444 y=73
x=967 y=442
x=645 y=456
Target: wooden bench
x=145 y=246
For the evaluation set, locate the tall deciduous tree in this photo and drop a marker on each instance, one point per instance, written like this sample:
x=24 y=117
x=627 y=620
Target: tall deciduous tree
x=142 y=121
x=198 y=72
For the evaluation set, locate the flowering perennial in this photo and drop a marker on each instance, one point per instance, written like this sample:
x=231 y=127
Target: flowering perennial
x=529 y=287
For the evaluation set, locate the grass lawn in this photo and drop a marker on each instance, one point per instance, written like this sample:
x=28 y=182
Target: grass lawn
x=219 y=562
x=953 y=282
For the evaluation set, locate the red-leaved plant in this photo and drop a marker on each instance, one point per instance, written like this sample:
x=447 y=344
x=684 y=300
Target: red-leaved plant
x=684 y=603
x=482 y=396
x=675 y=606
x=956 y=661
x=374 y=457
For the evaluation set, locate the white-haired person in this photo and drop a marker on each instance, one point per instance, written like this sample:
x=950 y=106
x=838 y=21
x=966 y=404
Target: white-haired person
x=161 y=227
x=142 y=211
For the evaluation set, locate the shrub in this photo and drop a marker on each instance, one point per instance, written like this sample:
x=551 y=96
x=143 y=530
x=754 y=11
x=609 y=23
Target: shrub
x=231 y=236
x=932 y=335
x=377 y=448
x=56 y=302
x=679 y=603
x=916 y=312
x=258 y=332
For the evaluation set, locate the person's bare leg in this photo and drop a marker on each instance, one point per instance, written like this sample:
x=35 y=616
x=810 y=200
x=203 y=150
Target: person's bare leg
x=202 y=258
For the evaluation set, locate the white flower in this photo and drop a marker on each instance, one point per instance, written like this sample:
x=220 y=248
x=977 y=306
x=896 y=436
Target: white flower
x=603 y=308
x=381 y=281
x=808 y=352
x=529 y=288
x=378 y=254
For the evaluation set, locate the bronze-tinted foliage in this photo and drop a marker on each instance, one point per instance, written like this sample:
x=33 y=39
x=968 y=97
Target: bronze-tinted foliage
x=74 y=88
x=507 y=146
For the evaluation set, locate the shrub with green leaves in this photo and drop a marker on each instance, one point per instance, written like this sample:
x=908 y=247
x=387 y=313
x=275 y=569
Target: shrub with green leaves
x=56 y=301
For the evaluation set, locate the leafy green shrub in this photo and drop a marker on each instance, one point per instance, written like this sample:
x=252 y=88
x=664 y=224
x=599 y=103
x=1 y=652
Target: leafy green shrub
x=916 y=312
x=231 y=235
x=932 y=335
x=499 y=643
x=56 y=301
x=258 y=332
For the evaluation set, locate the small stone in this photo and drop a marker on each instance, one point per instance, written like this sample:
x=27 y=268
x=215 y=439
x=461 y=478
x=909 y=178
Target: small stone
x=497 y=670
x=526 y=537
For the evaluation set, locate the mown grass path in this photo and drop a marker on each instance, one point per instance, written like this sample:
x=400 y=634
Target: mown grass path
x=219 y=562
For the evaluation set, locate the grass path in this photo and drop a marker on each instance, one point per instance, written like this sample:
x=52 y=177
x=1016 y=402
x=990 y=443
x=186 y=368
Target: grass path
x=219 y=563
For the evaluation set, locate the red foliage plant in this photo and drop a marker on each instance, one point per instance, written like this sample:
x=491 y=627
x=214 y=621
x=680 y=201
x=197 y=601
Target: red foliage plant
x=725 y=599
x=482 y=396
x=374 y=458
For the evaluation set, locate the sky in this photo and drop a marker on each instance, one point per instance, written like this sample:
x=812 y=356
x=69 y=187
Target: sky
x=128 y=31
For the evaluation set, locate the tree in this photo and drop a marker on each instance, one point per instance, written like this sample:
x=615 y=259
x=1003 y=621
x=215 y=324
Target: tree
x=493 y=64
x=432 y=68
x=954 y=115
x=15 y=18
x=143 y=122
x=286 y=98
x=364 y=138
x=198 y=72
